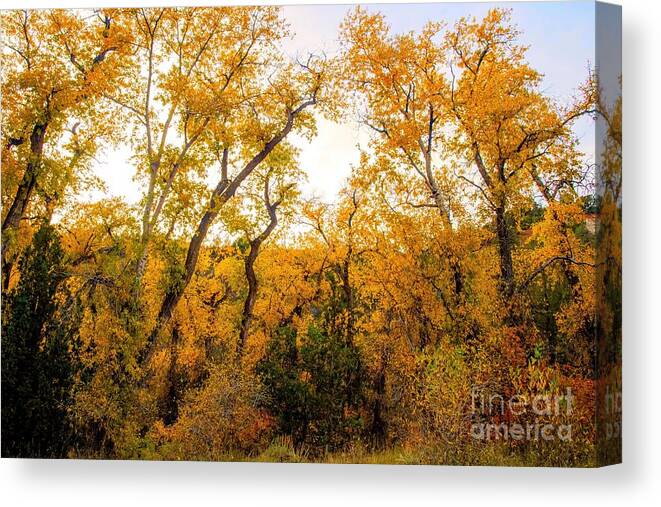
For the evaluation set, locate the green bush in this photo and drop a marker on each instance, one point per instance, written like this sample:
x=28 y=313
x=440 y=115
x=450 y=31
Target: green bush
x=313 y=390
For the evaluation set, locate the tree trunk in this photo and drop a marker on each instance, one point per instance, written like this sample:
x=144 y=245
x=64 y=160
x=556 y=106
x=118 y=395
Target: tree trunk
x=140 y=269
x=505 y=253
x=378 y=425
x=457 y=275
x=249 y=263
x=6 y=277
x=145 y=236
x=170 y=406
x=174 y=295
x=249 y=303
x=443 y=209
x=348 y=294
x=26 y=186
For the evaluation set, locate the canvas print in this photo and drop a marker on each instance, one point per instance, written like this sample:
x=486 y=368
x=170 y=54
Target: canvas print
x=380 y=233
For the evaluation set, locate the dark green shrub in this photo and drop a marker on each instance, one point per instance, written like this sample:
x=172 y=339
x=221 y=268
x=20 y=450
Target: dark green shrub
x=313 y=389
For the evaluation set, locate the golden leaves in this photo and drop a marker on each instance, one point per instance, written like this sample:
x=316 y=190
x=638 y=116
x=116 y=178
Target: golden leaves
x=469 y=163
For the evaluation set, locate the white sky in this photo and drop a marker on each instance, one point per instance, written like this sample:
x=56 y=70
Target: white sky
x=561 y=39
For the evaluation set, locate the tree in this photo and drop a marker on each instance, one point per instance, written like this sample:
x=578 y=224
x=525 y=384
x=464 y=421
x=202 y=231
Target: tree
x=271 y=109
x=402 y=81
x=271 y=199
x=39 y=363
x=189 y=67
x=505 y=126
x=57 y=66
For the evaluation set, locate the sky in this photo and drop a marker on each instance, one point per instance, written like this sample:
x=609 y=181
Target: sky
x=562 y=46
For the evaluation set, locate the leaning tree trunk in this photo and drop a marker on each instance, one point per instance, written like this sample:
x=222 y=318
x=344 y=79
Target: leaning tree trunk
x=223 y=192
x=26 y=186
x=251 y=297
x=37 y=137
x=249 y=303
x=174 y=295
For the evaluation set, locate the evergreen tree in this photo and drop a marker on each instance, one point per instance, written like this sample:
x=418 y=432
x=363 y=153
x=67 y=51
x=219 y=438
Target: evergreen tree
x=38 y=367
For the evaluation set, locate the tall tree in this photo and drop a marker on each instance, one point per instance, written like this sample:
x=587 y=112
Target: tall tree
x=190 y=64
x=402 y=87
x=57 y=65
x=270 y=108
x=505 y=124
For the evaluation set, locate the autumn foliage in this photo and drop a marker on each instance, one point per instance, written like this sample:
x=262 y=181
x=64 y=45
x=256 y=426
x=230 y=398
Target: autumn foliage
x=227 y=316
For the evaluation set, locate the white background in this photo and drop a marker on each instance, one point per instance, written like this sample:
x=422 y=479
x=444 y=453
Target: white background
x=636 y=482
